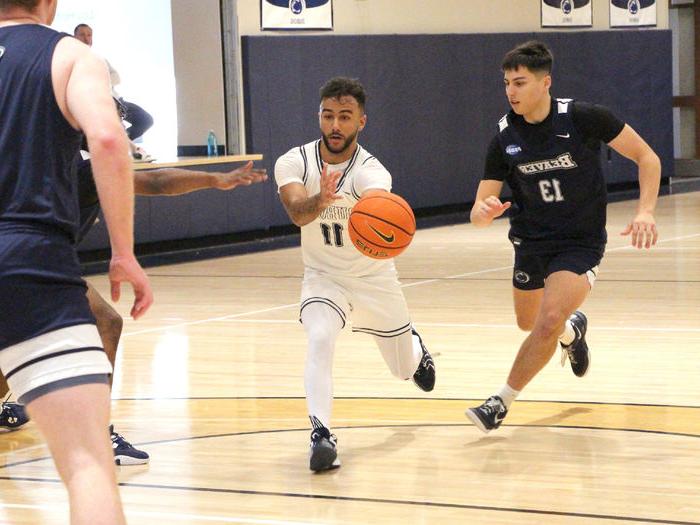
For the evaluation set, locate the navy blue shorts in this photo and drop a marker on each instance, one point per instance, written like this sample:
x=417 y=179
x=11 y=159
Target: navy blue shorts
x=40 y=285
x=532 y=267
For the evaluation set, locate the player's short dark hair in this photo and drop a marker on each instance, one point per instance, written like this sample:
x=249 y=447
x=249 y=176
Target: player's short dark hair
x=342 y=86
x=77 y=28
x=29 y=5
x=534 y=55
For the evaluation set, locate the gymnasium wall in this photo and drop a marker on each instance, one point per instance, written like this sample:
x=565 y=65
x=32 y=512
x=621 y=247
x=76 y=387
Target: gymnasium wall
x=197 y=39
x=371 y=17
x=199 y=72
x=434 y=100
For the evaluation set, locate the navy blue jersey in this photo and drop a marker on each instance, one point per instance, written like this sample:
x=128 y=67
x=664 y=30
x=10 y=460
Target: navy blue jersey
x=554 y=170
x=37 y=145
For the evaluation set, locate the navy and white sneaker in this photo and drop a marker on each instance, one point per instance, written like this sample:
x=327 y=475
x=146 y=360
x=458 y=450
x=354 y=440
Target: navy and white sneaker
x=424 y=377
x=12 y=415
x=322 y=453
x=124 y=452
x=577 y=352
x=489 y=415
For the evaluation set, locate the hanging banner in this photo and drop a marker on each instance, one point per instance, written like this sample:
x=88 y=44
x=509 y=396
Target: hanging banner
x=567 y=13
x=296 y=14
x=630 y=13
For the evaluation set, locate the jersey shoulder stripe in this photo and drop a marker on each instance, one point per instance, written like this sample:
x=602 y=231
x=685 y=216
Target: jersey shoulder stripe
x=563 y=105
x=306 y=164
x=503 y=123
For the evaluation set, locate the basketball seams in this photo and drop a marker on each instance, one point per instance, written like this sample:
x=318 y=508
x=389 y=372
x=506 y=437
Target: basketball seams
x=370 y=221
x=408 y=210
x=380 y=219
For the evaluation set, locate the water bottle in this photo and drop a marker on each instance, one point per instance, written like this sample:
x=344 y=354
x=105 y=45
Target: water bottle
x=212 y=147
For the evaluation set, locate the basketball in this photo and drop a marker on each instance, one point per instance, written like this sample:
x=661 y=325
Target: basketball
x=381 y=225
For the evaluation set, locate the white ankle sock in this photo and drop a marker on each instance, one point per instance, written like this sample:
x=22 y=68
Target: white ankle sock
x=568 y=335
x=508 y=395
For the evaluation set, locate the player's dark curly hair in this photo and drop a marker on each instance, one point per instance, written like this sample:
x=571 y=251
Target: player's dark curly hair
x=342 y=86
x=534 y=55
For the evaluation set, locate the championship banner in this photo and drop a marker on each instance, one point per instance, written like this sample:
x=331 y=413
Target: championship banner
x=632 y=13
x=567 y=13
x=296 y=14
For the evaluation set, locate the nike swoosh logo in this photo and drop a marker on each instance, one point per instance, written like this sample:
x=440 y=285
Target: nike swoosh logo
x=384 y=237
x=499 y=419
x=2 y=51
x=564 y=136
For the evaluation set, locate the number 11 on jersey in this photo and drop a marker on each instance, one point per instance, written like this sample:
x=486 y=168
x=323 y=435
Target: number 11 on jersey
x=336 y=239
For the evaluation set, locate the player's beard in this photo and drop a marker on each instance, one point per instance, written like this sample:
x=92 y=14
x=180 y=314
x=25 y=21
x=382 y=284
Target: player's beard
x=345 y=146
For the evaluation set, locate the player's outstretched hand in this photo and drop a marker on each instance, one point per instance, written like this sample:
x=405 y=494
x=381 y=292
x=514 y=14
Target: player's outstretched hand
x=643 y=230
x=128 y=269
x=492 y=207
x=243 y=176
x=329 y=184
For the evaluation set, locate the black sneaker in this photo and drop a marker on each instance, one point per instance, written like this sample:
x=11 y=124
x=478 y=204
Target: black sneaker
x=424 y=378
x=489 y=415
x=577 y=352
x=124 y=452
x=323 y=454
x=12 y=415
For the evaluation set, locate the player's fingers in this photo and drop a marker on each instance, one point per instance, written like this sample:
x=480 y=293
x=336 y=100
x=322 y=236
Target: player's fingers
x=655 y=234
x=115 y=289
x=627 y=230
x=142 y=301
x=636 y=235
x=506 y=205
x=648 y=235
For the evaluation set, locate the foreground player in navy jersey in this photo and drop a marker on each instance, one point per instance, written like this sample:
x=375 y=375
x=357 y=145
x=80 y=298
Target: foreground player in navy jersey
x=54 y=89
x=548 y=151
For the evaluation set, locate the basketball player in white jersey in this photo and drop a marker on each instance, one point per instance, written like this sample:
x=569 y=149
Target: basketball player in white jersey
x=319 y=183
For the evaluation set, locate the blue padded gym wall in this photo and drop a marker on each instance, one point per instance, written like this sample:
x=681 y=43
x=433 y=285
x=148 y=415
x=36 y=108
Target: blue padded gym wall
x=434 y=100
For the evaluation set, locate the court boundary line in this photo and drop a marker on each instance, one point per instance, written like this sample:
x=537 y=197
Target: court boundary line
x=369 y=427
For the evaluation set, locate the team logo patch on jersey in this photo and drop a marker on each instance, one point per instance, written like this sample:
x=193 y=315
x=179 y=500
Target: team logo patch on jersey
x=562 y=162
x=566 y=6
x=521 y=277
x=296 y=6
x=633 y=7
x=513 y=149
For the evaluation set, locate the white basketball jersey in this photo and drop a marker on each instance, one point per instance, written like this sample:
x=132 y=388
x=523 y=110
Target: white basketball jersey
x=325 y=242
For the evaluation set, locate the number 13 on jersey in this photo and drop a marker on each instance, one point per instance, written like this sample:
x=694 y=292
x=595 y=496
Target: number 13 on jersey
x=551 y=190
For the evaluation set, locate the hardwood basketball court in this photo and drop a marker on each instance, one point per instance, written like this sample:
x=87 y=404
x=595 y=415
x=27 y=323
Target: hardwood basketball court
x=210 y=383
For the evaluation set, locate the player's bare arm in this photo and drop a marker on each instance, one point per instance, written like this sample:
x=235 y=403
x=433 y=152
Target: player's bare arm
x=81 y=84
x=303 y=209
x=643 y=227
x=487 y=205
x=176 y=181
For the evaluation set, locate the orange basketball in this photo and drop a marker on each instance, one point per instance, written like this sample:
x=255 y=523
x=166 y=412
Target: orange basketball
x=381 y=225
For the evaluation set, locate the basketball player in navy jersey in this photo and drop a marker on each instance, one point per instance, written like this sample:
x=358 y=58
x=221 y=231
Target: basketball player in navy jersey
x=319 y=183
x=54 y=88
x=164 y=181
x=548 y=150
